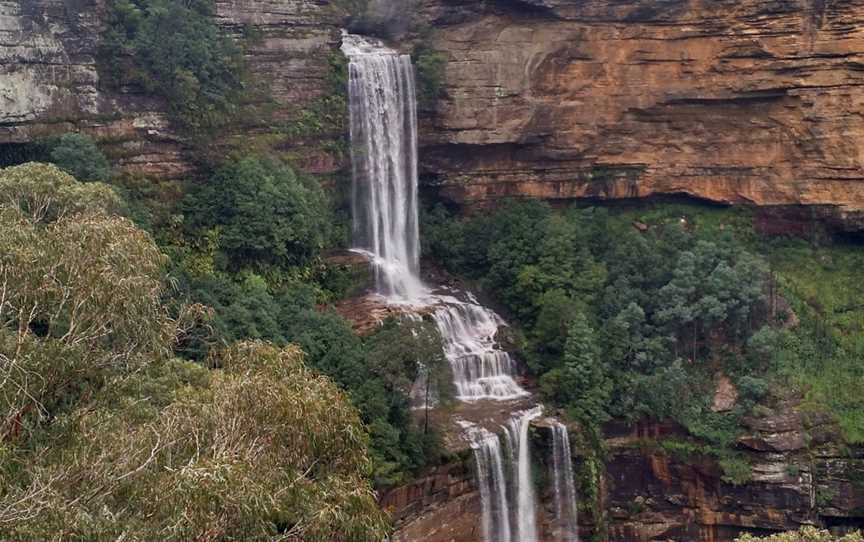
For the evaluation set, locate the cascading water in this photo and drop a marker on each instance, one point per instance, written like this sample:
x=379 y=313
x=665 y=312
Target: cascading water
x=502 y=522
x=493 y=485
x=384 y=205
x=385 y=224
x=563 y=486
x=480 y=370
x=520 y=453
x=383 y=115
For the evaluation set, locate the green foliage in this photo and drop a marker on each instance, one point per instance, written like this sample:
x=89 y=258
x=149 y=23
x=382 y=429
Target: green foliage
x=377 y=372
x=42 y=193
x=104 y=436
x=822 y=354
x=736 y=469
x=78 y=155
x=429 y=65
x=179 y=453
x=324 y=116
x=590 y=480
x=150 y=203
x=264 y=214
x=684 y=450
x=620 y=322
x=175 y=50
x=825 y=496
x=82 y=294
x=806 y=534
x=327 y=115
x=582 y=382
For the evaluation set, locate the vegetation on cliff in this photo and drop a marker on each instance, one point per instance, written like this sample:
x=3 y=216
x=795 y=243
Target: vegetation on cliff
x=174 y=50
x=806 y=534
x=633 y=314
x=249 y=244
x=106 y=434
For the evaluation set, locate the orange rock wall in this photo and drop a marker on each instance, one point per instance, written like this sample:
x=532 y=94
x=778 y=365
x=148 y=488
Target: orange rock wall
x=744 y=101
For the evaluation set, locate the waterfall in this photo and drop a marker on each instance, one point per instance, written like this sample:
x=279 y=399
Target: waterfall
x=520 y=453
x=383 y=124
x=493 y=485
x=384 y=205
x=563 y=486
x=503 y=522
x=480 y=370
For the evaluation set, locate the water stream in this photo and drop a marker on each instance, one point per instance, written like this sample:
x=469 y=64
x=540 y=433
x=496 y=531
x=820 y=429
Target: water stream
x=493 y=485
x=563 y=486
x=383 y=121
x=517 y=441
x=385 y=227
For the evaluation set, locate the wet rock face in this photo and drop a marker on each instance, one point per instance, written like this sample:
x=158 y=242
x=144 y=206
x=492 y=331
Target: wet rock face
x=49 y=82
x=729 y=101
x=442 y=506
x=796 y=478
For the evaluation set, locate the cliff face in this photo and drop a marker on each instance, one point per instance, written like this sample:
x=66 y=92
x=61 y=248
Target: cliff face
x=730 y=101
x=798 y=476
x=49 y=82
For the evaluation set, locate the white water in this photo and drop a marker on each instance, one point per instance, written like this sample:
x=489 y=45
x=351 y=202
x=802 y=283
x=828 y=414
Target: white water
x=493 y=485
x=384 y=205
x=385 y=226
x=563 y=486
x=517 y=440
x=480 y=369
x=384 y=158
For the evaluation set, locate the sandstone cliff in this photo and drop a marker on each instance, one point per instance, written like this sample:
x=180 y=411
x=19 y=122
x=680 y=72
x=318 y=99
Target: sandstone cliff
x=50 y=84
x=798 y=477
x=732 y=101
x=752 y=101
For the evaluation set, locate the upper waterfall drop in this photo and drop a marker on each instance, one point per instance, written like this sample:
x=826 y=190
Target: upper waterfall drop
x=385 y=217
x=383 y=115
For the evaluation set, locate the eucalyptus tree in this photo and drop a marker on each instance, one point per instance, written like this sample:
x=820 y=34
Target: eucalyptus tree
x=105 y=436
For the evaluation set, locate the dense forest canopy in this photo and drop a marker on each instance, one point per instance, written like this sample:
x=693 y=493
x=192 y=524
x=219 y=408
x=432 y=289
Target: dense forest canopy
x=107 y=434
x=636 y=313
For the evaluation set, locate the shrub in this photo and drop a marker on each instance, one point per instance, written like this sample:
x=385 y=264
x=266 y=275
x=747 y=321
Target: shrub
x=265 y=213
x=258 y=449
x=78 y=155
x=430 y=65
x=806 y=534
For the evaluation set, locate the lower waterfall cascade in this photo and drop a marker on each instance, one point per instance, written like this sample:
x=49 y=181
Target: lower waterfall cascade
x=563 y=485
x=520 y=457
x=383 y=121
x=493 y=485
x=480 y=369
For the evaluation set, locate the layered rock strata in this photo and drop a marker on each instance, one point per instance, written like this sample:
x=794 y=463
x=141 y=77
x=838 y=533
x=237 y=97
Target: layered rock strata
x=50 y=83
x=730 y=101
x=796 y=477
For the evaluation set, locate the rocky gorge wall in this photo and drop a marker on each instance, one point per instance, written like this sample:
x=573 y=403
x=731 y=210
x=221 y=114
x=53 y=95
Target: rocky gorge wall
x=50 y=81
x=731 y=101
x=798 y=476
